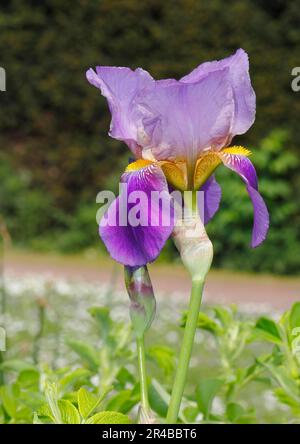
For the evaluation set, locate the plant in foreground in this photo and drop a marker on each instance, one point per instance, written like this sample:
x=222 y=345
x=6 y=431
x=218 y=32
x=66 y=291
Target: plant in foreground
x=248 y=359
x=179 y=132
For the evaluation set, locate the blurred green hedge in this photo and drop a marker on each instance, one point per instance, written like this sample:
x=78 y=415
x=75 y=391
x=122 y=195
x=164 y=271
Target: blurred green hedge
x=53 y=126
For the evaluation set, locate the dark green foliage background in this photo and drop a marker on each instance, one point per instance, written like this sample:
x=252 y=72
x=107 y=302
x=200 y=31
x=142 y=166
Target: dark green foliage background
x=55 y=152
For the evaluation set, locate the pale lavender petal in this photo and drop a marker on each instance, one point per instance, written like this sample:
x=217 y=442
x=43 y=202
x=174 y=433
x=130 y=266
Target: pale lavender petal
x=180 y=120
x=244 y=95
x=138 y=245
x=212 y=198
x=120 y=86
x=244 y=167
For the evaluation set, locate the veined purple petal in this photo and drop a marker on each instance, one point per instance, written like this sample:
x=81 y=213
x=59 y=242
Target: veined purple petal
x=137 y=245
x=243 y=92
x=212 y=198
x=180 y=119
x=244 y=167
x=120 y=86
x=261 y=217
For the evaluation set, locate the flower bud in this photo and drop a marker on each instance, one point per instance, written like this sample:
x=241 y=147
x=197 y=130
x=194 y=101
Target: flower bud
x=140 y=291
x=194 y=246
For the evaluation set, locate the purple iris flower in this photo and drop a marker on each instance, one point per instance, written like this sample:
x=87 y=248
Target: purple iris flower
x=179 y=132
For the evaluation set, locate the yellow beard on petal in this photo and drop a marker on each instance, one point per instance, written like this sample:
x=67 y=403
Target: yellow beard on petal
x=209 y=161
x=138 y=164
x=176 y=172
x=239 y=150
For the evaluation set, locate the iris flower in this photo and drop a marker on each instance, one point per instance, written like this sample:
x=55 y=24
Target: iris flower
x=179 y=133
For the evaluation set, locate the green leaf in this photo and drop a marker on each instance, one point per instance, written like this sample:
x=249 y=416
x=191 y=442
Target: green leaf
x=225 y=315
x=205 y=393
x=45 y=410
x=124 y=377
x=164 y=358
x=69 y=413
x=36 y=419
x=287 y=383
x=283 y=397
x=102 y=317
x=87 y=402
x=2 y=416
x=190 y=413
x=78 y=376
x=51 y=394
x=29 y=378
x=9 y=396
x=87 y=353
x=294 y=318
x=207 y=323
x=158 y=398
x=16 y=365
x=234 y=411
x=123 y=401
x=267 y=329
x=108 y=418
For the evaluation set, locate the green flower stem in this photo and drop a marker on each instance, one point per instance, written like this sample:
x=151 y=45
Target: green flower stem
x=142 y=374
x=185 y=352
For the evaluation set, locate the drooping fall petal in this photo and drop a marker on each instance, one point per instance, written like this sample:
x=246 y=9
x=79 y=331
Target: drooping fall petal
x=245 y=169
x=212 y=198
x=139 y=226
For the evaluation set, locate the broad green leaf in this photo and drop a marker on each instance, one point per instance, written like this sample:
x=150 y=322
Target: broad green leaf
x=234 y=411
x=158 y=399
x=268 y=330
x=87 y=353
x=207 y=323
x=71 y=396
x=294 y=318
x=87 y=402
x=69 y=413
x=124 y=377
x=29 y=378
x=108 y=418
x=9 y=396
x=78 y=376
x=190 y=413
x=123 y=401
x=16 y=365
x=205 y=393
x=164 y=358
x=45 y=410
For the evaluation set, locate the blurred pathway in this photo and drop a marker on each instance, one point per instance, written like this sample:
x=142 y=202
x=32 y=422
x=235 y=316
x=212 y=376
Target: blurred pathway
x=257 y=291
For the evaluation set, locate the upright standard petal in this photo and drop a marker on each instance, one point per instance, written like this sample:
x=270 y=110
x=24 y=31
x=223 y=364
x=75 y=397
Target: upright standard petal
x=244 y=96
x=138 y=223
x=120 y=86
x=180 y=120
x=244 y=167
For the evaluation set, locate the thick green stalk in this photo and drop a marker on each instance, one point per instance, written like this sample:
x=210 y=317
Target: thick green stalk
x=185 y=352
x=142 y=375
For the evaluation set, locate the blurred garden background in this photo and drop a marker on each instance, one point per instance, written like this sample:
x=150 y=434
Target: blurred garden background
x=55 y=152
x=55 y=157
